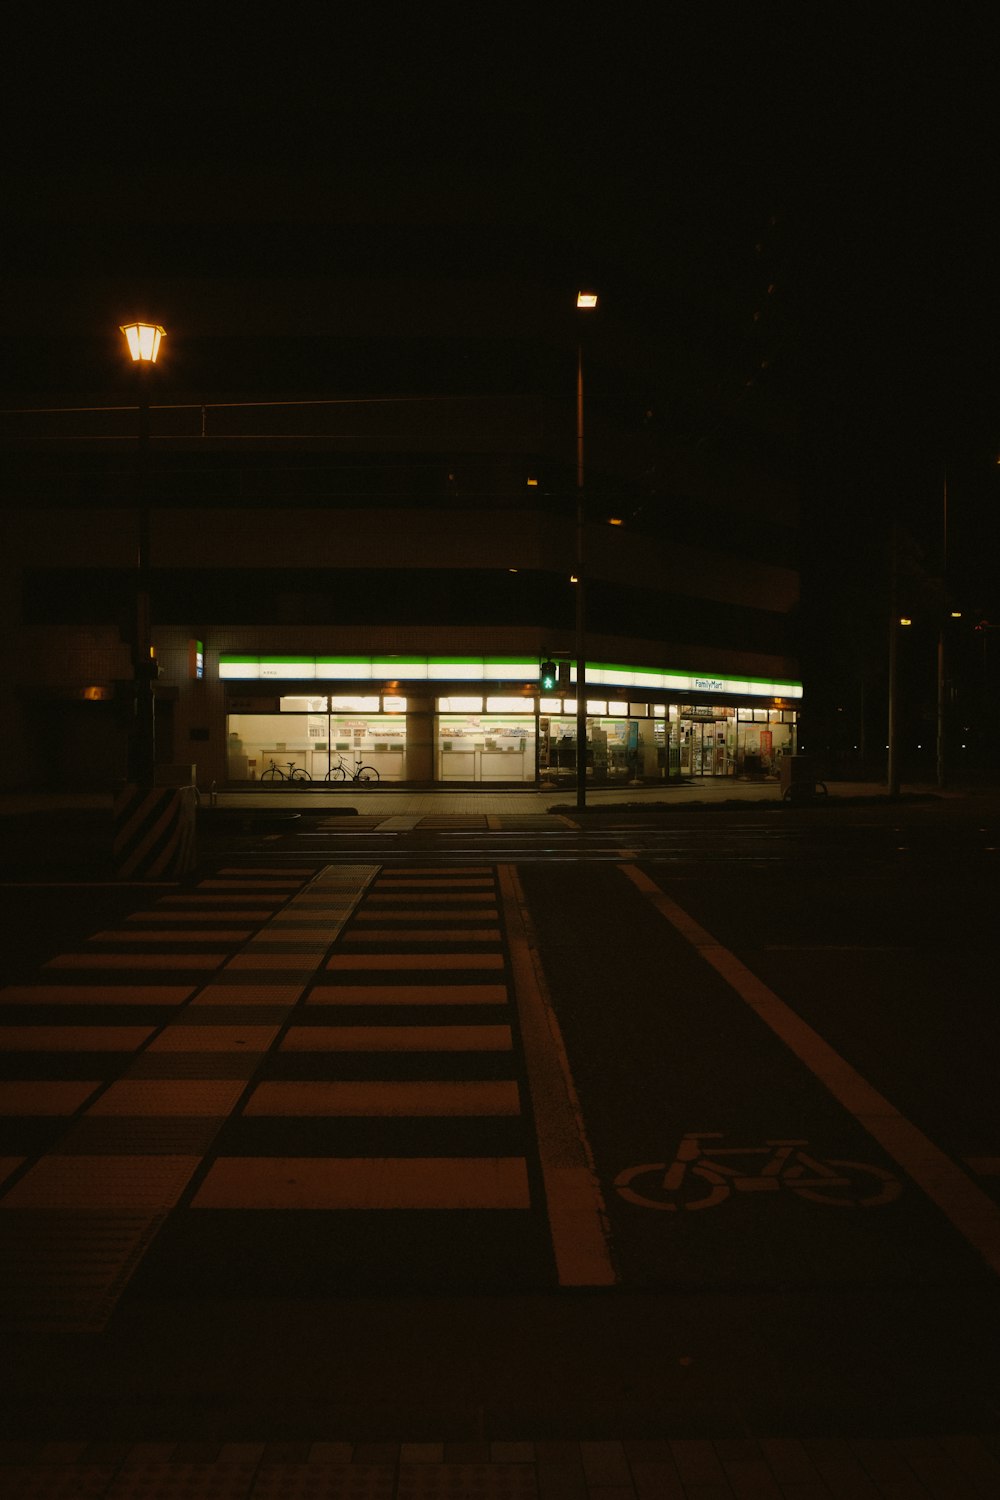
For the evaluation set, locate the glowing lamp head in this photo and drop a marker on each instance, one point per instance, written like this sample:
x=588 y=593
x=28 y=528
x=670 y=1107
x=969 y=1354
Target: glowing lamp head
x=586 y=299
x=143 y=341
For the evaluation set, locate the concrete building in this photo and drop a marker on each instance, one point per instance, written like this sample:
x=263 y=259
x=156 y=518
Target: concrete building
x=347 y=579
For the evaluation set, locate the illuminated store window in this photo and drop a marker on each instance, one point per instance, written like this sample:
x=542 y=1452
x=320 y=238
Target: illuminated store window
x=510 y=705
x=355 y=704
x=303 y=705
x=393 y=704
x=460 y=705
x=476 y=748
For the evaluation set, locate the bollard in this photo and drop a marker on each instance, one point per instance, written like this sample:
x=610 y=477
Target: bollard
x=154 y=834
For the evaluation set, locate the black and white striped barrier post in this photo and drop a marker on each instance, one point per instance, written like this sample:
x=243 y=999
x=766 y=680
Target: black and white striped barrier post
x=154 y=833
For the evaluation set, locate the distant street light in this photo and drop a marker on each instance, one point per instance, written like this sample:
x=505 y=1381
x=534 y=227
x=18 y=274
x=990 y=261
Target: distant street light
x=583 y=300
x=143 y=340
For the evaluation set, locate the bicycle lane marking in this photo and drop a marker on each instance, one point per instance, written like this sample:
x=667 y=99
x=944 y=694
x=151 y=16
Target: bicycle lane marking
x=971 y=1211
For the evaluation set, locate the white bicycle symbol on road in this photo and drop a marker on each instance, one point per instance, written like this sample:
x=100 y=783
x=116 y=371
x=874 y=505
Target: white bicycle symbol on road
x=703 y=1177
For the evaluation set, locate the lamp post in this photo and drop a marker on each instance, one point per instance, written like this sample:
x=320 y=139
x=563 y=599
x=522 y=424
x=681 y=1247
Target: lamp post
x=584 y=300
x=143 y=340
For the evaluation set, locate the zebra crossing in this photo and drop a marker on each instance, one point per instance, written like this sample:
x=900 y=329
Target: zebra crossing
x=277 y=1075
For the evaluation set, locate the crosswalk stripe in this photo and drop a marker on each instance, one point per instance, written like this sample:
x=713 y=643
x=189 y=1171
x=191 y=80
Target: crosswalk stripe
x=96 y=994
x=415 y=961
x=397 y=1039
x=73 y=1038
x=367 y=1183
x=386 y=1098
x=45 y=1097
x=407 y=994
x=430 y=935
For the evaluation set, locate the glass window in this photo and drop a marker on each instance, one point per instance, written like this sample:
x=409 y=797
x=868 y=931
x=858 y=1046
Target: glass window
x=393 y=704
x=597 y=706
x=303 y=705
x=659 y=710
x=510 y=705
x=616 y=707
x=460 y=705
x=639 y=710
x=550 y=705
x=354 y=704
x=487 y=747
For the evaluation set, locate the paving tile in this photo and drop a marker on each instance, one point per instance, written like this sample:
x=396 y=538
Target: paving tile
x=938 y=1472
x=506 y=1452
x=150 y=1453
x=657 y=1479
x=493 y=1481
x=286 y=1453
x=974 y=1458
x=62 y=1453
x=751 y=1479
x=559 y=1451
x=56 y=1481
x=329 y=1453
x=647 y=1450
x=788 y=1461
x=195 y=1453
x=560 y=1481
x=697 y=1462
x=183 y=1481
x=421 y=1453
x=376 y=1453
x=467 y=1453
x=605 y=1464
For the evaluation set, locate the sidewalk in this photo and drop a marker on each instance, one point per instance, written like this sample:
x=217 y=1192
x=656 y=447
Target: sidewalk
x=687 y=1469
x=529 y=800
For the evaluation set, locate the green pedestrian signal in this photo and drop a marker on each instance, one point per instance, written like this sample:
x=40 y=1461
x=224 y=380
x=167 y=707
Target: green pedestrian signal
x=548 y=676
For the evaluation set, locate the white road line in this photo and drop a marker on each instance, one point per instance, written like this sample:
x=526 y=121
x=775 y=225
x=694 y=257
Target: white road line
x=973 y=1213
x=577 y=1219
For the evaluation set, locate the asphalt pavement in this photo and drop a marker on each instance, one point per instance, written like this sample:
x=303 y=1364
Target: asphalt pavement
x=456 y=1169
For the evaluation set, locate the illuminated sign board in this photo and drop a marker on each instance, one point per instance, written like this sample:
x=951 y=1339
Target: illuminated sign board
x=486 y=669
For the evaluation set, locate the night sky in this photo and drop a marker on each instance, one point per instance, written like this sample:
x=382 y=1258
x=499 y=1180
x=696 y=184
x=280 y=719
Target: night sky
x=845 y=161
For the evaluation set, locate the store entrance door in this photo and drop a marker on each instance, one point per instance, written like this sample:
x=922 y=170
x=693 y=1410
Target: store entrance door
x=706 y=748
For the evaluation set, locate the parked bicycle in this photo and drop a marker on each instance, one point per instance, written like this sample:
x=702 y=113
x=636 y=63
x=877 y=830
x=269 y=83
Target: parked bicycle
x=294 y=773
x=704 y=1175
x=342 y=772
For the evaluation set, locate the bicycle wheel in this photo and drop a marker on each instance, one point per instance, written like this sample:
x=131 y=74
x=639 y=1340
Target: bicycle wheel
x=866 y=1186
x=648 y=1190
x=367 y=773
x=336 y=773
x=272 y=774
x=300 y=774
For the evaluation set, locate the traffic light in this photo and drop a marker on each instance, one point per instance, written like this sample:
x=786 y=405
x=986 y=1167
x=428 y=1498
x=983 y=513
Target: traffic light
x=548 y=675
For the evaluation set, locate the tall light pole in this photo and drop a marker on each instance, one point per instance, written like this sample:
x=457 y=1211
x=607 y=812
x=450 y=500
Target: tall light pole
x=584 y=300
x=143 y=341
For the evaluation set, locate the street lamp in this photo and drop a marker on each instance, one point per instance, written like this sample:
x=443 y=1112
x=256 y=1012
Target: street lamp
x=584 y=300
x=143 y=340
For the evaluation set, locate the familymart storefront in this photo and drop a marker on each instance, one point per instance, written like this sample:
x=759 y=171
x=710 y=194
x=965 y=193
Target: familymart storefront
x=481 y=720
